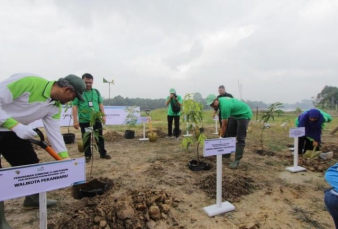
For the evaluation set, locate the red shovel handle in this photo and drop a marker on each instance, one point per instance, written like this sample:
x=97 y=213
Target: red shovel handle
x=53 y=153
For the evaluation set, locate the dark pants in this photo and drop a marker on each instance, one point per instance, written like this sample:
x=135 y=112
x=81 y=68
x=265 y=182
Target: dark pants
x=16 y=151
x=331 y=203
x=170 y=125
x=237 y=128
x=100 y=143
x=305 y=144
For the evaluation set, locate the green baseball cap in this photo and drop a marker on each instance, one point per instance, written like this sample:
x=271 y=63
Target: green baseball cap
x=172 y=90
x=211 y=98
x=78 y=85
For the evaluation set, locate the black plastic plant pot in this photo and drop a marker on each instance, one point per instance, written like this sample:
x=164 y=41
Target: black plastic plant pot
x=195 y=166
x=69 y=138
x=129 y=134
x=201 y=130
x=89 y=189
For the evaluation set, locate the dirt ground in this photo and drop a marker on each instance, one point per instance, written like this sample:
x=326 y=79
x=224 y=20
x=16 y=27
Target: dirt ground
x=151 y=186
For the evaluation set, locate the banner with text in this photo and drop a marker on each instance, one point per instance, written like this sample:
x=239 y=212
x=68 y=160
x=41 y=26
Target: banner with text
x=116 y=115
x=30 y=179
x=219 y=146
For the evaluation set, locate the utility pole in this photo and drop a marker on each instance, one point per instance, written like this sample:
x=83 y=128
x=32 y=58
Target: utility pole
x=240 y=88
x=106 y=81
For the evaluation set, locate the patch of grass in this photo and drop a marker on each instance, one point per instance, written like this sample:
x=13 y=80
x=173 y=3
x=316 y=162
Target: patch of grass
x=306 y=217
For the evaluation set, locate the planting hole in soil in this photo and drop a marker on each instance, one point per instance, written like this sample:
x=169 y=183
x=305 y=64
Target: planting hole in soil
x=195 y=166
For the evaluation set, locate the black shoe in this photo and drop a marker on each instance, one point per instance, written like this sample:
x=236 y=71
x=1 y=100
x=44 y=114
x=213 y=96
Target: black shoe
x=106 y=156
x=88 y=159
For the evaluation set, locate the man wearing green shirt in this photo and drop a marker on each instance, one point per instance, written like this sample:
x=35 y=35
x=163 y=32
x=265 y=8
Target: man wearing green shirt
x=173 y=100
x=240 y=114
x=81 y=114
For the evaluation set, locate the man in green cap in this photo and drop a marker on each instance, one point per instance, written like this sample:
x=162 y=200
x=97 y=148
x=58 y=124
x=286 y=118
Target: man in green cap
x=82 y=111
x=240 y=114
x=25 y=98
x=174 y=103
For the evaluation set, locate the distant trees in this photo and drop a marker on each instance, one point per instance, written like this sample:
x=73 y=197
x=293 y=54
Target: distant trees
x=144 y=104
x=327 y=98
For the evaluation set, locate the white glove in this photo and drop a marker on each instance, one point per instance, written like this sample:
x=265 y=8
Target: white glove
x=24 y=132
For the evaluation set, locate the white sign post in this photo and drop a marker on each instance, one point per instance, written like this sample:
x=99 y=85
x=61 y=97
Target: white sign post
x=40 y=178
x=296 y=133
x=218 y=147
x=143 y=120
x=216 y=121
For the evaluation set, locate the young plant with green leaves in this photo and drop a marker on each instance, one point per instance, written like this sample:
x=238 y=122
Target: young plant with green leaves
x=92 y=134
x=197 y=138
x=192 y=112
x=193 y=115
x=131 y=118
x=267 y=115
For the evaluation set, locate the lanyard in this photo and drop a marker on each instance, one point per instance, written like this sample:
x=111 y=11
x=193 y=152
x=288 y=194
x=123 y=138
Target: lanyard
x=87 y=97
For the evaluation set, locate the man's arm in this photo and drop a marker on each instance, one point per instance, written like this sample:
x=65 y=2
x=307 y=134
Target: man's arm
x=52 y=127
x=103 y=114
x=75 y=118
x=168 y=101
x=224 y=127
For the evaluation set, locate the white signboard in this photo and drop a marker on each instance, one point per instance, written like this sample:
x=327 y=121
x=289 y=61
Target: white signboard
x=297 y=132
x=216 y=118
x=143 y=119
x=30 y=179
x=219 y=146
x=115 y=115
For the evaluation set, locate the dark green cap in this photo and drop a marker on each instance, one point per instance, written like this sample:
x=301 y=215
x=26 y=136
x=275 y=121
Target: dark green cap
x=78 y=85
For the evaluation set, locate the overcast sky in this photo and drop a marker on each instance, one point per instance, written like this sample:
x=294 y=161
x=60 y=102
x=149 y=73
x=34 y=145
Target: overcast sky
x=282 y=51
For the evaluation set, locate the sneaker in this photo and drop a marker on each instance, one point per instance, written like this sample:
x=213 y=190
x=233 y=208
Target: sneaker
x=106 y=156
x=177 y=138
x=168 y=137
x=88 y=159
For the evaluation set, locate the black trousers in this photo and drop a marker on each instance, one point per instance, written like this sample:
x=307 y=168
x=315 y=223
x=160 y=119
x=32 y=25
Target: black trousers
x=100 y=143
x=305 y=144
x=176 y=120
x=237 y=128
x=16 y=151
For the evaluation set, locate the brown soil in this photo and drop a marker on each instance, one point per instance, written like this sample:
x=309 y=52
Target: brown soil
x=151 y=186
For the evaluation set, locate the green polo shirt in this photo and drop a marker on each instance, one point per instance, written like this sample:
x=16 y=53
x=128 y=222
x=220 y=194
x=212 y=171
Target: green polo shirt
x=170 y=110
x=234 y=108
x=84 y=110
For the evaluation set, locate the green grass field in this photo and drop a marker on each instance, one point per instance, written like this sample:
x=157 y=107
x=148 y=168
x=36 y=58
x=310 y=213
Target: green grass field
x=159 y=121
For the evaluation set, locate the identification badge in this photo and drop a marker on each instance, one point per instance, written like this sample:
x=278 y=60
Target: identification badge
x=90 y=104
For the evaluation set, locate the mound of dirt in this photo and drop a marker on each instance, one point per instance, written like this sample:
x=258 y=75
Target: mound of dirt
x=315 y=165
x=136 y=209
x=234 y=188
x=111 y=136
x=159 y=133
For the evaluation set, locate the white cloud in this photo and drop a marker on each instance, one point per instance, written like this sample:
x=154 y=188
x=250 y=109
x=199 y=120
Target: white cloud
x=280 y=51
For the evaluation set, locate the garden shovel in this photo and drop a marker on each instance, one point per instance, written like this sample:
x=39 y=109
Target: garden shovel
x=44 y=145
x=88 y=189
x=152 y=136
x=312 y=154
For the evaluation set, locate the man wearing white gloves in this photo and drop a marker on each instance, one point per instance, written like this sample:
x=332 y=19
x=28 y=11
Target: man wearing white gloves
x=24 y=98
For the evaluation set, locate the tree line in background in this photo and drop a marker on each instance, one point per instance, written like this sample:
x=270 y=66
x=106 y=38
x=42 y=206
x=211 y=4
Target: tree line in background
x=326 y=99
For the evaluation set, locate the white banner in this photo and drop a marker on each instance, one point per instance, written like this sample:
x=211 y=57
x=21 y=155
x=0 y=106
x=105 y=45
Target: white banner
x=297 y=132
x=219 y=146
x=116 y=115
x=30 y=179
